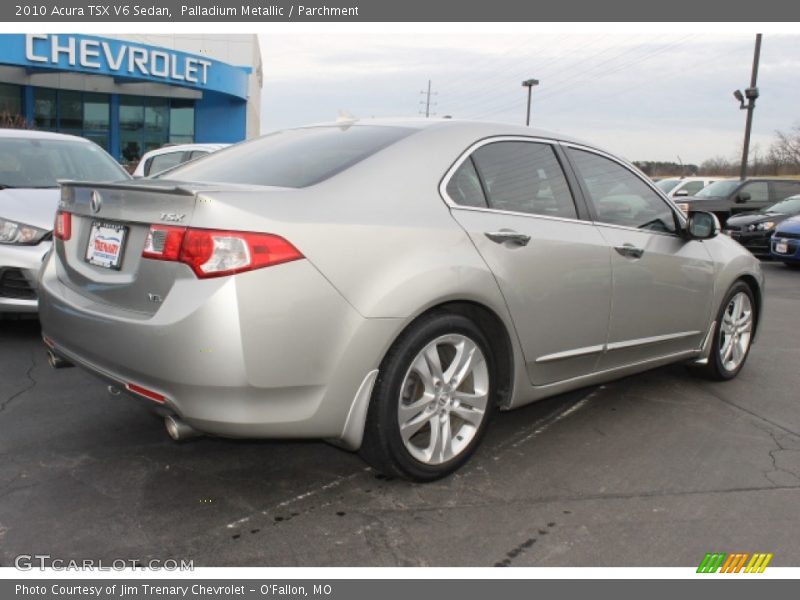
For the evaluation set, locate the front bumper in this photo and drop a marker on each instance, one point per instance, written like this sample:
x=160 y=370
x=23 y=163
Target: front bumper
x=757 y=242
x=792 y=253
x=19 y=272
x=275 y=352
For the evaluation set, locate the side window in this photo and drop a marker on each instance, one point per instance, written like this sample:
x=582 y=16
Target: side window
x=758 y=190
x=784 y=189
x=693 y=187
x=197 y=154
x=619 y=196
x=524 y=177
x=162 y=162
x=464 y=187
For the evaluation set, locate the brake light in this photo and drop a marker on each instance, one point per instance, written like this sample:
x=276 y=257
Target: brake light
x=215 y=253
x=62 y=230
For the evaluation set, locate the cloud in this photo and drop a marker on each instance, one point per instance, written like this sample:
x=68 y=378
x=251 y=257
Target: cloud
x=645 y=96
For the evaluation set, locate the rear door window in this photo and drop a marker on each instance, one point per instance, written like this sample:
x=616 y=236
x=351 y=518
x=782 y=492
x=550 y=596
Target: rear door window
x=524 y=177
x=464 y=187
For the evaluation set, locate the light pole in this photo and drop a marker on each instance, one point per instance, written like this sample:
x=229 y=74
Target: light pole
x=751 y=94
x=529 y=83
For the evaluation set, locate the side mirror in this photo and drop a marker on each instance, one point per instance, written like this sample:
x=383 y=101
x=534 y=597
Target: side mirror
x=742 y=197
x=681 y=193
x=702 y=225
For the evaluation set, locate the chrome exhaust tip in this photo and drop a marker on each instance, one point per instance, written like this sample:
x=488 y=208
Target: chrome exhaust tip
x=57 y=362
x=178 y=430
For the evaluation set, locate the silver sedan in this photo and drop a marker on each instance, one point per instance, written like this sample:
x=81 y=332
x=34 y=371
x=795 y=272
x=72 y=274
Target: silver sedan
x=31 y=163
x=388 y=285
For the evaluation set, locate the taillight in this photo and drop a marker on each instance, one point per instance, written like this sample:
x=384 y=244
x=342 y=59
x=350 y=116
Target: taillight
x=214 y=253
x=62 y=229
x=163 y=242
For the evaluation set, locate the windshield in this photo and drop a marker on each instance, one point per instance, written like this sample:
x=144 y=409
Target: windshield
x=293 y=158
x=789 y=206
x=40 y=163
x=667 y=185
x=718 y=189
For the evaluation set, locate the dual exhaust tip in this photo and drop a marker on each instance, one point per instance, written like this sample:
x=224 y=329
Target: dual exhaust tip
x=57 y=362
x=177 y=428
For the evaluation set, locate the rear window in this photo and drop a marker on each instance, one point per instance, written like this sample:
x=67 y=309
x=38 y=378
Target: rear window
x=293 y=158
x=40 y=163
x=162 y=162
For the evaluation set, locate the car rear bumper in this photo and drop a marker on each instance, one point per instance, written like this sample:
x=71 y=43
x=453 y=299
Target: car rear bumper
x=19 y=271
x=275 y=352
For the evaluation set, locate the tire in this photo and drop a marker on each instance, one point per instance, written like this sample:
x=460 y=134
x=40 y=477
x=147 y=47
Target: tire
x=422 y=426
x=792 y=265
x=732 y=342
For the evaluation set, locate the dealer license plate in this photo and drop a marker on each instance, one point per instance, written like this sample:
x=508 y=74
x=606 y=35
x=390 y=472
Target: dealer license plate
x=106 y=243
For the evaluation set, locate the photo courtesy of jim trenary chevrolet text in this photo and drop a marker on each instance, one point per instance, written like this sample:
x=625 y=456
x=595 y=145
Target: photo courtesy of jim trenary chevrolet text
x=350 y=299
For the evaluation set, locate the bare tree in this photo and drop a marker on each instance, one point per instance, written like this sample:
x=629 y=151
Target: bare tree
x=10 y=120
x=785 y=151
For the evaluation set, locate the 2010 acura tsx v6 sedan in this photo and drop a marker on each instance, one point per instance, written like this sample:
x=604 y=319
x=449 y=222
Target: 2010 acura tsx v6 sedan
x=387 y=285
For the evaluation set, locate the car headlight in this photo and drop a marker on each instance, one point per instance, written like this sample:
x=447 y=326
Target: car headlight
x=21 y=234
x=765 y=226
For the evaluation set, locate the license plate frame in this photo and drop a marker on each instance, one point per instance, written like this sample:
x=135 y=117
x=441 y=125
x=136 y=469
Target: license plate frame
x=103 y=236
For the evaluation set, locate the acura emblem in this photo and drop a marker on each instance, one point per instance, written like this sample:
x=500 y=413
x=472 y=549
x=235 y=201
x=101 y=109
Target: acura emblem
x=95 y=202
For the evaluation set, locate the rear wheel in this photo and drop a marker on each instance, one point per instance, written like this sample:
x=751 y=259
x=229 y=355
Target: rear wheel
x=432 y=400
x=733 y=333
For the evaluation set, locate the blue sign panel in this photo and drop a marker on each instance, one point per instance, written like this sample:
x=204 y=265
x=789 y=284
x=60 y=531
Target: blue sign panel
x=124 y=60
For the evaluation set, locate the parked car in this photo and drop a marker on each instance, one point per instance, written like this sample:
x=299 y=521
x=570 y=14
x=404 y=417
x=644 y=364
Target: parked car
x=785 y=242
x=753 y=230
x=732 y=196
x=676 y=187
x=31 y=163
x=173 y=155
x=387 y=285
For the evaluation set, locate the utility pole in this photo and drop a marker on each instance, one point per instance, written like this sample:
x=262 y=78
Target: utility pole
x=751 y=94
x=427 y=101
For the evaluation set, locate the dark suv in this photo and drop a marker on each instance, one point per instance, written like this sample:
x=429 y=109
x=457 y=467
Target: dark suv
x=731 y=196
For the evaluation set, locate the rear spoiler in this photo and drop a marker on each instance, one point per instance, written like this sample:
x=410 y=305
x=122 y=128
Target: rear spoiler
x=131 y=187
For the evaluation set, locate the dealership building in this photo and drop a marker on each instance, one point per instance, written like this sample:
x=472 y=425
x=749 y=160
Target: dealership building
x=133 y=93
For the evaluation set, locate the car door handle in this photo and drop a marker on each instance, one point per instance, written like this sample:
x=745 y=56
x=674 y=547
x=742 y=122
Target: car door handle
x=629 y=251
x=512 y=237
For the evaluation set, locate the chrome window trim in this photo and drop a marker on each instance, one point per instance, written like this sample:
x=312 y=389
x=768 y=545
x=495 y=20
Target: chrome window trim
x=637 y=173
x=512 y=213
x=491 y=140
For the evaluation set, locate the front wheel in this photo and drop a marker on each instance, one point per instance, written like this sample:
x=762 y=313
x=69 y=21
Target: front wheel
x=733 y=333
x=432 y=400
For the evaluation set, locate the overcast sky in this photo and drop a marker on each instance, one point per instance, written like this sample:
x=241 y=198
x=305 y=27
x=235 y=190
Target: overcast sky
x=646 y=97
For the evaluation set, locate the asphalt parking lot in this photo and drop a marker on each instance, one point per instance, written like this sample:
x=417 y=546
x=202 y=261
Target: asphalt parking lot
x=653 y=470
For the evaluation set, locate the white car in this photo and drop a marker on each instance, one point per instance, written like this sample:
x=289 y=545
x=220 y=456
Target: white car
x=31 y=165
x=677 y=187
x=167 y=157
